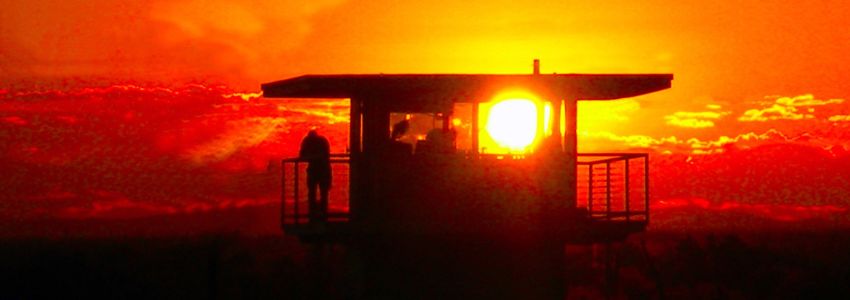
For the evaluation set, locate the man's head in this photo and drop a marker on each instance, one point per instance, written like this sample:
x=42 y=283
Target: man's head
x=399 y=129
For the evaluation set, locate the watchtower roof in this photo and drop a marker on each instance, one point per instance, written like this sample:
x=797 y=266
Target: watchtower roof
x=467 y=87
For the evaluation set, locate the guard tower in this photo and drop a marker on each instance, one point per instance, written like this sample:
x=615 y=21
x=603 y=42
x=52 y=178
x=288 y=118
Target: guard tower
x=459 y=208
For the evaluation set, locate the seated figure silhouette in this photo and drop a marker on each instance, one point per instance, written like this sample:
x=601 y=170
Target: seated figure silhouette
x=315 y=149
x=437 y=140
x=396 y=146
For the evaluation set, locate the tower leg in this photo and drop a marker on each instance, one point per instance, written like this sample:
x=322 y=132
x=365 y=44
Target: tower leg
x=318 y=270
x=612 y=271
x=462 y=268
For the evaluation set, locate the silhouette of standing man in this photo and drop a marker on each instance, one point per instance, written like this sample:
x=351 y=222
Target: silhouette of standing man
x=315 y=149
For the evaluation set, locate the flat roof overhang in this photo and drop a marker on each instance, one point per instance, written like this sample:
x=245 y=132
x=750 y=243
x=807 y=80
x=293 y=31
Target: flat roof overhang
x=467 y=87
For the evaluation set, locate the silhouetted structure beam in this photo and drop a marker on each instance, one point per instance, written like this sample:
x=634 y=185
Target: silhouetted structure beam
x=425 y=88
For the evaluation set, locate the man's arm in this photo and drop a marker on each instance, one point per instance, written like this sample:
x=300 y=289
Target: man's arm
x=304 y=152
x=326 y=148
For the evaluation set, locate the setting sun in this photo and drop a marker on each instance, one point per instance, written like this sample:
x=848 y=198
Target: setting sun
x=512 y=123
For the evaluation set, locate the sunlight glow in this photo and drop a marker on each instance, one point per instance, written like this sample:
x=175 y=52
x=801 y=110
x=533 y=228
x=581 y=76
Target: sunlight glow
x=512 y=123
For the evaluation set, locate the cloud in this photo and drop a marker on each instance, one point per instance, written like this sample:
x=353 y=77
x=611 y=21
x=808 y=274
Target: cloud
x=116 y=208
x=14 y=120
x=688 y=119
x=787 y=108
x=635 y=141
x=775 y=112
x=688 y=123
x=673 y=144
x=334 y=110
x=197 y=19
x=806 y=100
x=238 y=135
x=243 y=36
x=725 y=140
x=159 y=41
x=778 y=212
x=839 y=118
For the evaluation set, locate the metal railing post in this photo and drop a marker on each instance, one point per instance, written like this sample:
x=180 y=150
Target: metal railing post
x=295 y=197
x=625 y=210
x=282 y=194
x=626 y=175
x=646 y=186
x=590 y=189
x=608 y=191
x=299 y=217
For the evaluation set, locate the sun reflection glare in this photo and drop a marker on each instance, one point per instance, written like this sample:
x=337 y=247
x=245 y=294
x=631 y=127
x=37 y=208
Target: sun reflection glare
x=512 y=123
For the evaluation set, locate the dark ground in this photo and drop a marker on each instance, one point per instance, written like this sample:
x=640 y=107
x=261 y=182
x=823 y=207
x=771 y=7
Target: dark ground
x=753 y=265
x=717 y=265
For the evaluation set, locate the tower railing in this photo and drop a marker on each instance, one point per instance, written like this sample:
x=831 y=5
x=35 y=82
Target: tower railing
x=295 y=205
x=613 y=186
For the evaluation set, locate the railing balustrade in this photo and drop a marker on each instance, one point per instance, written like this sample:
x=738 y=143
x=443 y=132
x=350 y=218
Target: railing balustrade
x=611 y=186
x=295 y=206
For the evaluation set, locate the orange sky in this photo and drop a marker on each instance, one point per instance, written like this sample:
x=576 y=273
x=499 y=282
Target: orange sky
x=726 y=50
x=747 y=73
x=727 y=53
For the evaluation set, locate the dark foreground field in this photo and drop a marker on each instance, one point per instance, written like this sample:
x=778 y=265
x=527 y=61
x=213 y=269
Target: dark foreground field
x=655 y=265
x=716 y=265
x=189 y=267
